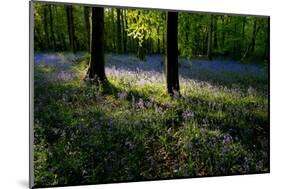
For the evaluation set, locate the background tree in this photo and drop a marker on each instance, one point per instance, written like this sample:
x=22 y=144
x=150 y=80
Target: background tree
x=210 y=38
x=70 y=26
x=118 y=24
x=87 y=24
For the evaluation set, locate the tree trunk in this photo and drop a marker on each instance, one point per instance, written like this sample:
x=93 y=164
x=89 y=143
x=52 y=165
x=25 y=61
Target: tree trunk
x=158 y=40
x=96 y=69
x=234 y=50
x=187 y=33
x=171 y=59
x=223 y=33
x=210 y=33
x=70 y=27
x=53 y=39
x=141 y=52
x=113 y=38
x=119 y=47
x=124 y=32
x=87 y=24
x=215 y=33
x=267 y=42
x=46 y=31
x=253 y=43
x=242 y=46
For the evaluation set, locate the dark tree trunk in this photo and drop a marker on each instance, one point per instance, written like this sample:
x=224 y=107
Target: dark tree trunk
x=141 y=51
x=215 y=33
x=38 y=40
x=46 y=30
x=125 y=31
x=96 y=70
x=124 y=26
x=243 y=36
x=210 y=33
x=70 y=27
x=158 y=40
x=53 y=39
x=163 y=36
x=171 y=60
x=163 y=42
x=87 y=24
x=62 y=42
x=253 y=41
x=267 y=42
x=234 y=51
x=187 y=32
x=223 y=33
x=113 y=30
x=119 y=47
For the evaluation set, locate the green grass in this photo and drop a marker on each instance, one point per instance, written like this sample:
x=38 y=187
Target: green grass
x=87 y=134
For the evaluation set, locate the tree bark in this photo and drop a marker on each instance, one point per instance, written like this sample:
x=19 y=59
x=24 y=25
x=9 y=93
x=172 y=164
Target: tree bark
x=96 y=69
x=171 y=59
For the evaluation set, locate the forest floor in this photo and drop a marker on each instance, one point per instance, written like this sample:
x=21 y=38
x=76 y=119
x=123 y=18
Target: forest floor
x=130 y=129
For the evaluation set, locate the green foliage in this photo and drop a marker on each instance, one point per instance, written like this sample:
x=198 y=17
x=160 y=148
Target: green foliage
x=144 y=24
x=143 y=31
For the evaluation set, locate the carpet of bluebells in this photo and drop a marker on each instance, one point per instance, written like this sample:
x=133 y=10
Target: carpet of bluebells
x=130 y=129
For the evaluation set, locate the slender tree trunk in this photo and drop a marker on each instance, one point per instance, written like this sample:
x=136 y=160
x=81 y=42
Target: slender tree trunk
x=267 y=42
x=119 y=47
x=46 y=30
x=187 y=32
x=125 y=31
x=242 y=46
x=70 y=26
x=124 y=26
x=62 y=42
x=235 y=43
x=253 y=43
x=38 y=39
x=223 y=33
x=53 y=39
x=215 y=33
x=163 y=42
x=96 y=70
x=87 y=24
x=141 y=52
x=113 y=31
x=158 y=40
x=171 y=60
x=210 y=33
x=164 y=35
